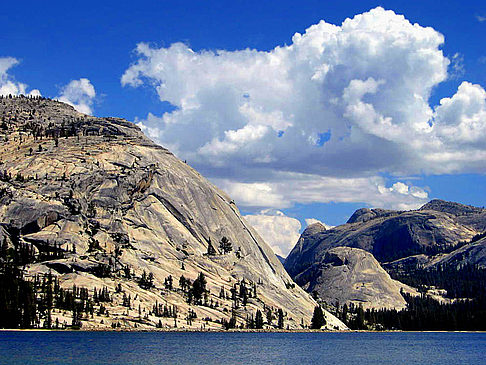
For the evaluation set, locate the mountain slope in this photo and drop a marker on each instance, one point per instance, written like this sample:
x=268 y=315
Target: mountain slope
x=388 y=235
x=101 y=206
x=350 y=275
x=473 y=253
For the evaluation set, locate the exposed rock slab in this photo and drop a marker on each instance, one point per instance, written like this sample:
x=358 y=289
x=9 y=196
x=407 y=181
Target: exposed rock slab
x=101 y=193
x=348 y=275
x=470 y=254
x=401 y=239
x=388 y=235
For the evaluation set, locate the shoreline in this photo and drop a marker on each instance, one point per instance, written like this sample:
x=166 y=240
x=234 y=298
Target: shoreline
x=221 y=331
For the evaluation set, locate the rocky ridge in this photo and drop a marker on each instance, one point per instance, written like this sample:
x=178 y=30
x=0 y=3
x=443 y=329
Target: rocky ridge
x=473 y=253
x=438 y=233
x=388 y=235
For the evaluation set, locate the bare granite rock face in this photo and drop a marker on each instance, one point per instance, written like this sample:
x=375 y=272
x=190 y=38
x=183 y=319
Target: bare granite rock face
x=414 y=238
x=468 y=215
x=387 y=235
x=350 y=275
x=100 y=204
x=473 y=253
x=365 y=214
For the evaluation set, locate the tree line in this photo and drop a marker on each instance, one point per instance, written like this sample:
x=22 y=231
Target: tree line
x=464 y=311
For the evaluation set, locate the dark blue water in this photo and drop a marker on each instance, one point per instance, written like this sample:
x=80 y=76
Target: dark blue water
x=241 y=348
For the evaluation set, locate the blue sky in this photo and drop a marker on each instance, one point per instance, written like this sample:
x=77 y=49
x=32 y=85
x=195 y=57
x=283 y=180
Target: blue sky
x=264 y=165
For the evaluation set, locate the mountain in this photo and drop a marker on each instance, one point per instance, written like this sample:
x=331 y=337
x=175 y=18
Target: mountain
x=440 y=231
x=351 y=275
x=101 y=207
x=471 y=253
x=467 y=215
x=390 y=235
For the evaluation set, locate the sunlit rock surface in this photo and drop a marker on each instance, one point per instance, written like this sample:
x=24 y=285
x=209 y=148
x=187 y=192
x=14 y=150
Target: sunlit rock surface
x=109 y=202
x=350 y=275
x=438 y=233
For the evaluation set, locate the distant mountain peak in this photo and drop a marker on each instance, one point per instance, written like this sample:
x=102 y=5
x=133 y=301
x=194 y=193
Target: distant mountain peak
x=451 y=207
x=314 y=228
x=387 y=235
x=366 y=214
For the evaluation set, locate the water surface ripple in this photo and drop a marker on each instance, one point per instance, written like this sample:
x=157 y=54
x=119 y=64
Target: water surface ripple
x=142 y=348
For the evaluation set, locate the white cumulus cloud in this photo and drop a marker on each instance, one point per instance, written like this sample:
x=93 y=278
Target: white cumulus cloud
x=8 y=85
x=310 y=221
x=285 y=189
x=320 y=119
x=462 y=118
x=280 y=231
x=80 y=94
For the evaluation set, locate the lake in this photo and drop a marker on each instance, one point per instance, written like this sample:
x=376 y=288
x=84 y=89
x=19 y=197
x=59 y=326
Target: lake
x=89 y=348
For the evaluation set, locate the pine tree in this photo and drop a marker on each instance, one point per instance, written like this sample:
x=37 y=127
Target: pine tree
x=150 y=280
x=243 y=294
x=280 y=318
x=183 y=283
x=168 y=282
x=225 y=245
x=4 y=248
x=49 y=300
x=258 y=320
x=269 y=316
x=360 y=318
x=198 y=288
x=318 y=319
x=211 y=249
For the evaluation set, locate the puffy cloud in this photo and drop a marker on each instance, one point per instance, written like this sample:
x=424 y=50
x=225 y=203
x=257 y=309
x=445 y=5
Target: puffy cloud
x=310 y=221
x=400 y=188
x=8 y=85
x=462 y=118
x=281 y=232
x=256 y=194
x=320 y=119
x=80 y=94
x=285 y=189
x=35 y=92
